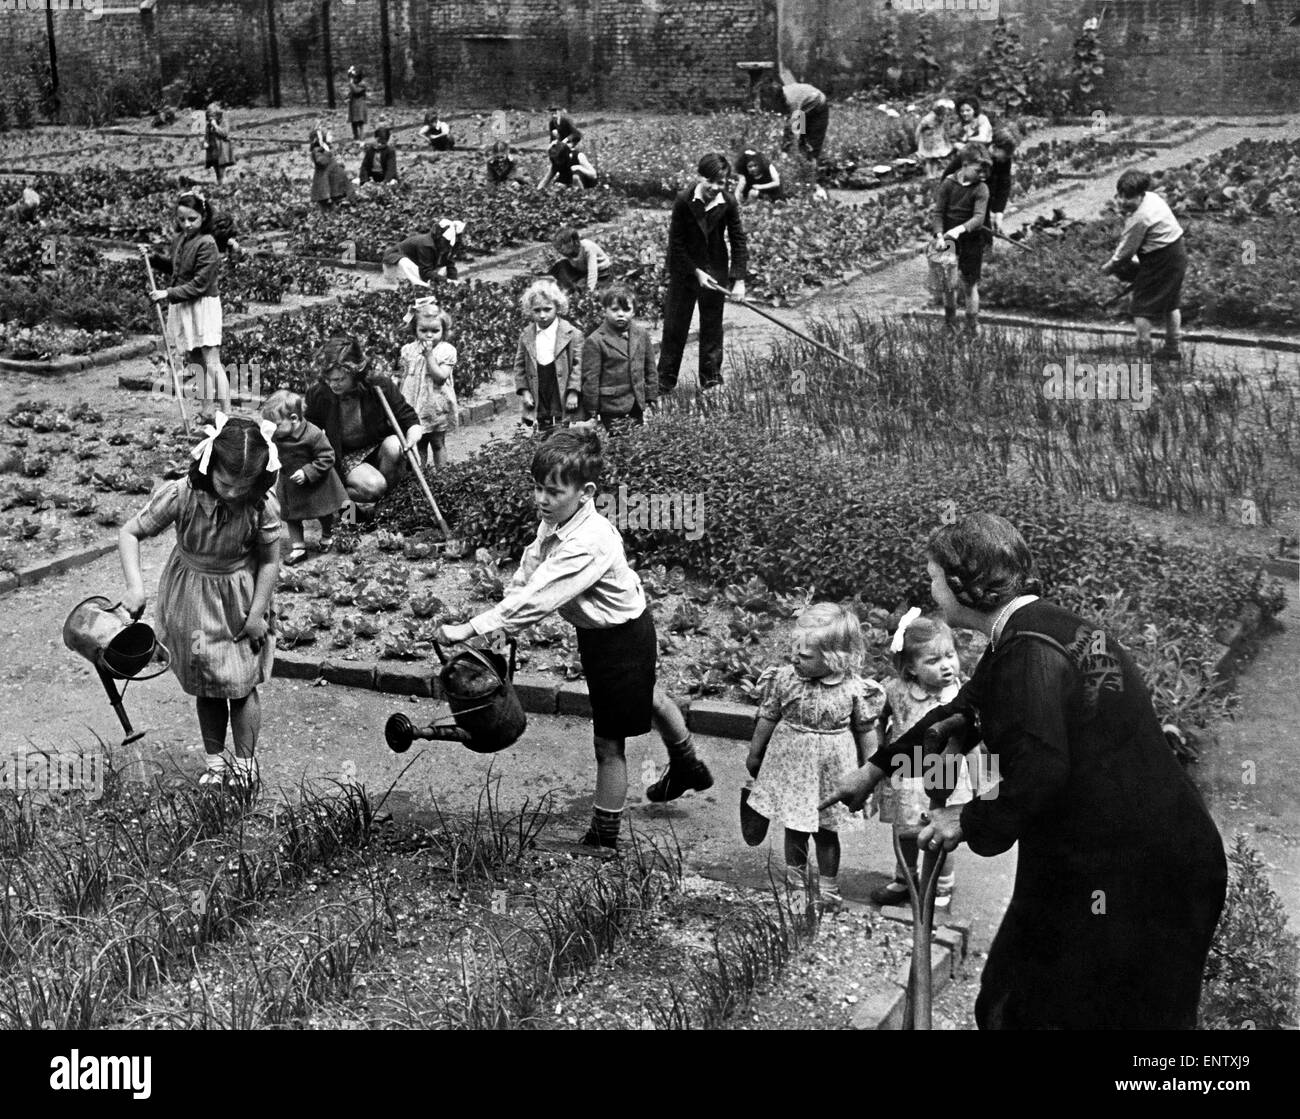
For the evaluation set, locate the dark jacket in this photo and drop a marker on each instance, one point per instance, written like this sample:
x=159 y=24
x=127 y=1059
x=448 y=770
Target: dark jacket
x=379 y=163
x=323 y=495
x=195 y=265
x=429 y=252
x=615 y=364
x=698 y=239
x=324 y=411
x=1120 y=875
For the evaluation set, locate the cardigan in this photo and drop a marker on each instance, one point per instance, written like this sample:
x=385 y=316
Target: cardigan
x=696 y=240
x=195 y=264
x=618 y=366
x=325 y=411
x=568 y=360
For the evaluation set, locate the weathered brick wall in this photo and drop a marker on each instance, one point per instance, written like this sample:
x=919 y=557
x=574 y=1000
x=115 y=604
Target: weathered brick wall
x=1196 y=57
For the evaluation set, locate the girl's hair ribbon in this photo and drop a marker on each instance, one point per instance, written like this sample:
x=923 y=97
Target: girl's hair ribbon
x=896 y=646
x=451 y=229
x=203 y=452
x=425 y=304
x=267 y=428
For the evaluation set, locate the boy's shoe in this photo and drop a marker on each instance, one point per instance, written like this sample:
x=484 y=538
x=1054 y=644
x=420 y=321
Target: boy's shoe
x=1168 y=353
x=892 y=893
x=591 y=839
x=679 y=778
x=753 y=825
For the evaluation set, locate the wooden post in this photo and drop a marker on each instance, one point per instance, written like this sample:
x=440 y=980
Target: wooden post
x=386 y=49
x=273 y=44
x=329 y=54
x=54 y=62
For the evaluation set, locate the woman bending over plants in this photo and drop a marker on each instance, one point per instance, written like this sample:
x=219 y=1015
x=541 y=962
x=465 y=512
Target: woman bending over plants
x=1152 y=253
x=343 y=404
x=423 y=256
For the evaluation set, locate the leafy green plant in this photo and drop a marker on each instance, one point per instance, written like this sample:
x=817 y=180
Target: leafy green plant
x=1088 y=64
x=1251 y=973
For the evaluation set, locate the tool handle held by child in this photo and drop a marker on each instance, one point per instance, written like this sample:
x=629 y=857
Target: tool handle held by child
x=713 y=285
x=413 y=458
x=167 y=343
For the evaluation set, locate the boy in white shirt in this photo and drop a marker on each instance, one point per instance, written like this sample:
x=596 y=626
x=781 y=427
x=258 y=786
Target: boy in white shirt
x=576 y=565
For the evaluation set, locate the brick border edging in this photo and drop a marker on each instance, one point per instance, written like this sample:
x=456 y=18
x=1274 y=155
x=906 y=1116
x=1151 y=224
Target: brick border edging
x=75 y=362
x=68 y=561
x=949 y=949
x=1285 y=345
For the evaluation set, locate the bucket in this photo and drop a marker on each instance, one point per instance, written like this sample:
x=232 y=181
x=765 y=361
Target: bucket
x=104 y=633
x=482 y=699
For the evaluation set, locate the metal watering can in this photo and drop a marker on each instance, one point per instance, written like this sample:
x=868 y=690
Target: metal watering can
x=483 y=701
x=119 y=647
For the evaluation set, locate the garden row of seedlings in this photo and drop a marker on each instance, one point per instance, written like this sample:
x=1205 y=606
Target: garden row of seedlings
x=171 y=908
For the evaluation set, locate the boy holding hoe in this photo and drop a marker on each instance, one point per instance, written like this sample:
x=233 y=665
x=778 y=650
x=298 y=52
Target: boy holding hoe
x=576 y=565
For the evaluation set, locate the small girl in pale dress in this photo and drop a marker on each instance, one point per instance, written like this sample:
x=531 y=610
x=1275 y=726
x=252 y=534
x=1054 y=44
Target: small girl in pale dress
x=929 y=674
x=426 y=377
x=214 y=594
x=816 y=722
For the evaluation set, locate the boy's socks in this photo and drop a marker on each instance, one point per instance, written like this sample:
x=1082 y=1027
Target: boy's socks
x=683 y=751
x=604 y=827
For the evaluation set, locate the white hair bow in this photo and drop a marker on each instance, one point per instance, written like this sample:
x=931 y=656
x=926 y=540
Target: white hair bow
x=203 y=452
x=451 y=229
x=426 y=303
x=896 y=646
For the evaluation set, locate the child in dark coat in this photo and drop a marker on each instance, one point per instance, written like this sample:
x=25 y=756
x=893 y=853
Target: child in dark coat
x=308 y=486
x=619 y=383
x=960 y=205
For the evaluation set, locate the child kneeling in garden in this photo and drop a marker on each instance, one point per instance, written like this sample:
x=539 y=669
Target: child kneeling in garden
x=576 y=565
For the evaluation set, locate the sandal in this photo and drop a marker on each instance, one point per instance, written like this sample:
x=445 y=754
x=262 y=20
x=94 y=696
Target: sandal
x=326 y=543
x=296 y=555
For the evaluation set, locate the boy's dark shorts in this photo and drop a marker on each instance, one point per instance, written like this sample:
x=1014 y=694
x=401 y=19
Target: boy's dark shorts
x=970 y=256
x=619 y=664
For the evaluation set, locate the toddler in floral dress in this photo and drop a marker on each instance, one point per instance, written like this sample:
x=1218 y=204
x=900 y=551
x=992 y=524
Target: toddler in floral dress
x=929 y=674
x=427 y=371
x=816 y=722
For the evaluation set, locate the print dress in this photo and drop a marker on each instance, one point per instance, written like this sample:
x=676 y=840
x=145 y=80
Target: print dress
x=206 y=588
x=812 y=746
x=904 y=796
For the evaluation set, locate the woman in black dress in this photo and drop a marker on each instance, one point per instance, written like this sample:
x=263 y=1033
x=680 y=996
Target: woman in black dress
x=1121 y=872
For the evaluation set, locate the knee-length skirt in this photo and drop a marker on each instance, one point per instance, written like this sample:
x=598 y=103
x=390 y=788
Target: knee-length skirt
x=1158 y=285
x=197 y=323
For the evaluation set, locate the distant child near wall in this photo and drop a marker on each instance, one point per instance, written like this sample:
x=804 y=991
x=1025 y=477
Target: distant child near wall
x=816 y=723
x=426 y=376
x=308 y=488
x=436 y=132
x=214 y=593
x=929 y=675
x=619 y=381
x=357 y=94
x=548 y=362
x=577 y=566
x=219 y=153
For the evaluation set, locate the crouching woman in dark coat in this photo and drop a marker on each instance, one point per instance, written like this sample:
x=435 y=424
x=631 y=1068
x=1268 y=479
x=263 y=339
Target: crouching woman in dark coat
x=1121 y=872
x=344 y=405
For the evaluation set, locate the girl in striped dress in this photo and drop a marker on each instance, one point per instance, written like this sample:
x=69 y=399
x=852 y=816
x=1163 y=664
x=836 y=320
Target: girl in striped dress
x=214 y=594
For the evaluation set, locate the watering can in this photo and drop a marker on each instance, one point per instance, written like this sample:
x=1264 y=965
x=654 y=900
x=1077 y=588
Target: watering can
x=484 y=705
x=119 y=647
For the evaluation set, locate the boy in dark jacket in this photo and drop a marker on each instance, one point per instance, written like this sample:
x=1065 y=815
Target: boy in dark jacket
x=703 y=222
x=960 y=206
x=619 y=384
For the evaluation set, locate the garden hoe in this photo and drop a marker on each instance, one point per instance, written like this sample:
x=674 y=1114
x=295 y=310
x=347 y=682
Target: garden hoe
x=449 y=544
x=167 y=343
x=713 y=285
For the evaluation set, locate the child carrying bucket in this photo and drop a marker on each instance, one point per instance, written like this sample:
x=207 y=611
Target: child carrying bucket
x=576 y=565
x=214 y=594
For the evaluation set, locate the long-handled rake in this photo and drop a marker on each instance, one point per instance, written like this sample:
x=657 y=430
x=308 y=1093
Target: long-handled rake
x=167 y=343
x=417 y=468
x=713 y=285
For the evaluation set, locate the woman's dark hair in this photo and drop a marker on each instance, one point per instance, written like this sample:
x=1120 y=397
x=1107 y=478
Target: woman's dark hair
x=1133 y=183
x=192 y=200
x=575 y=455
x=985 y=560
x=342 y=350
x=971 y=100
x=713 y=165
x=240 y=450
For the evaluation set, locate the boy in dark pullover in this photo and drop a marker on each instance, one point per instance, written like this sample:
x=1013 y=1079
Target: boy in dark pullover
x=960 y=206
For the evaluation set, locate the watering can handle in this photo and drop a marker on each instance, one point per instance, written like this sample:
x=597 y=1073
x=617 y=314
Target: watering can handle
x=514 y=645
